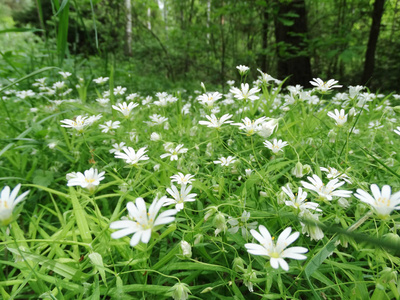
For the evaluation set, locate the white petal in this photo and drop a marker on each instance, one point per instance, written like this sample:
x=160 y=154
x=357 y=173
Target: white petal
x=146 y=236
x=136 y=238
x=274 y=263
x=284 y=265
x=375 y=191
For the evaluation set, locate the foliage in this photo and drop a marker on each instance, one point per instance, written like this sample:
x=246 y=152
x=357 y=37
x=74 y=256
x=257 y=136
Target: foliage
x=60 y=245
x=255 y=148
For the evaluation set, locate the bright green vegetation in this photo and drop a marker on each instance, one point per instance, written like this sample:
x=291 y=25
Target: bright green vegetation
x=65 y=239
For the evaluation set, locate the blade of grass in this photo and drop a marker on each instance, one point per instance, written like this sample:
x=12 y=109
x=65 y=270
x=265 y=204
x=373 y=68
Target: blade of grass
x=80 y=216
x=379 y=162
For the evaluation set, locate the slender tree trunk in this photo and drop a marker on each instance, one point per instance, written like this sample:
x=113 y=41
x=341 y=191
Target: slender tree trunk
x=223 y=48
x=128 y=29
x=208 y=19
x=149 y=18
x=369 y=62
x=263 y=56
x=293 y=59
x=189 y=24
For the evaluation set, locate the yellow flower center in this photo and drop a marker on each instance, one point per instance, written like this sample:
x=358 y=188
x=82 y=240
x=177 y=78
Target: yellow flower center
x=274 y=254
x=3 y=204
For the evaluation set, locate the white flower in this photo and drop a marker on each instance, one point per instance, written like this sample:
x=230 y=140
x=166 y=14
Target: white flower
x=179 y=197
x=382 y=202
x=79 y=123
x=339 y=117
x=157 y=120
x=276 y=252
x=89 y=180
x=397 y=130
x=65 y=75
x=242 y=69
x=250 y=126
x=230 y=82
x=209 y=99
x=214 y=122
x=266 y=128
x=375 y=125
x=101 y=80
x=244 y=93
x=90 y=120
x=225 y=161
x=241 y=224
x=124 y=108
x=131 y=156
x=265 y=78
x=164 y=99
x=109 y=126
x=8 y=201
x=103 y=101
x=131 y=97
x=25 y=94
x=119 y=90
x=173 y=152
x=52 y=145
x=155 y=137
x=326 y=191
x=300 y=202
x=59 y=85
x=275 y=146
x=324 y=86
x=117 y=147
x=182 y=179
x=333 y=173
x=355 y=90
x=141 y=223
x=309 y=226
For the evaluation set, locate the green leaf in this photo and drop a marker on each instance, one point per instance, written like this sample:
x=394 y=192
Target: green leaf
x=43 y=178
x=61 y=269
x=20 y=30
x=80 y=216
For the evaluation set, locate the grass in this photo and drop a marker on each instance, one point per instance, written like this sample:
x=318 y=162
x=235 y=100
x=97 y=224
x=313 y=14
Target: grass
x=59 y=244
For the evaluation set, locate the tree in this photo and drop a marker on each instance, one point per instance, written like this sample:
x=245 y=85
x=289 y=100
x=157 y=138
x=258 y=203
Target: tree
x=369 y=62
x=291 y=33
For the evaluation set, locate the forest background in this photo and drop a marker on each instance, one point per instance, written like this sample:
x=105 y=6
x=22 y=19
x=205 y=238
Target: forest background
x=168 y=43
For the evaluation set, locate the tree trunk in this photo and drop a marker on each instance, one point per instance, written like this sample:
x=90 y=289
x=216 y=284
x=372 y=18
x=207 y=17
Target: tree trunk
x=208 y=19
x=293 y=59
x=369 y=62
x=149 y=18
x=128 y=29
x=263 y=56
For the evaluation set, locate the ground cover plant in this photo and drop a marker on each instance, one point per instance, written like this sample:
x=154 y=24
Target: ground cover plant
x=258 y=192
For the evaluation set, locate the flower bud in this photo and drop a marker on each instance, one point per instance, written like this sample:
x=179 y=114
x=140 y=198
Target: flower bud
x=298 y=170
x=180 y=291
x=238 y=264
x=186 y=249
x=249 y=277
x=220 y=223
x=198 y=238
x=388 y=275
x=281 y=197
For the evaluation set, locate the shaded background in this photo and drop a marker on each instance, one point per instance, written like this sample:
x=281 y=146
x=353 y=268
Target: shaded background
x=353 y=41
